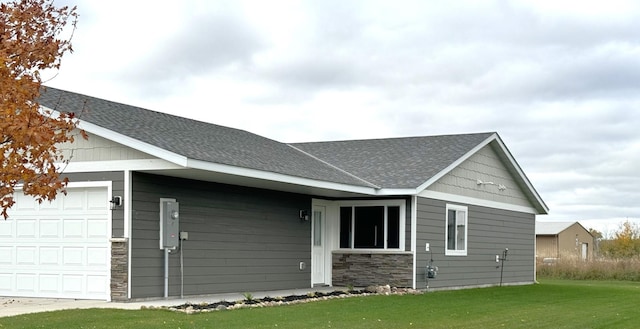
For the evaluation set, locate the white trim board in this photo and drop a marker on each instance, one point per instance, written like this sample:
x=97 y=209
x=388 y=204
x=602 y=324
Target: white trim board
x=117 y=165
x=414 y=238
x=476 y=202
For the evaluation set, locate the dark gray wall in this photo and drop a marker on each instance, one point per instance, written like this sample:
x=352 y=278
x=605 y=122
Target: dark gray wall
x=240 y=239
x=490 y=232
x=117 y=187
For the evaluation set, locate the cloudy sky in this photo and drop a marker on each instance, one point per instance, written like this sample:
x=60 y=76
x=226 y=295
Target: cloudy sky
x=558 y=80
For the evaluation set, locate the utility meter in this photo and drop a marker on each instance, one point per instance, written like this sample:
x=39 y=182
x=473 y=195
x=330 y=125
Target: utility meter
x=169 y=223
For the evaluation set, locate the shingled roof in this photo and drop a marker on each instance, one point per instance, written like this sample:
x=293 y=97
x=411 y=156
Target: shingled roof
x=195 y=139
x=369 y=167
x=395 y=162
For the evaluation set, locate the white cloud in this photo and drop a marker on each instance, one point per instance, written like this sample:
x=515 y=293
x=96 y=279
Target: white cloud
x=557 y=80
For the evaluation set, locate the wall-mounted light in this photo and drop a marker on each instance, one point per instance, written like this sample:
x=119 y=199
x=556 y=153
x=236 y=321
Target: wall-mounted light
x=304 y=215
x=115 y=201
x=501 y=187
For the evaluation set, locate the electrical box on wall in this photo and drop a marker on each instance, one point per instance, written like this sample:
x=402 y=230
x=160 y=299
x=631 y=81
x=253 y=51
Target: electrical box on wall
x=169 y=223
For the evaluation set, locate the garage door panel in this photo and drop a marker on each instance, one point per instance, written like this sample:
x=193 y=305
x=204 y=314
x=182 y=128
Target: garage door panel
x=26 y=283
x=6 y=283
x=49 y=283
x=50 y=256
x=94 y=201
x=72 y=256
x=97 y=256
x=26 y=228
x=97 y=284
x=73 y=228
x=72 y=284
x=74 y=201
x=97 y=228
x=59 y=249
x=6 y=228
x=49 y=228
x=26 y=255
x=6 y=256
x=49 y=206
x=24 y=202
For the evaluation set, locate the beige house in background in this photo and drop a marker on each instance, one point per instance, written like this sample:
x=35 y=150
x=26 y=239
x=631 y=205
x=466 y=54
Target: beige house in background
x=563 y=239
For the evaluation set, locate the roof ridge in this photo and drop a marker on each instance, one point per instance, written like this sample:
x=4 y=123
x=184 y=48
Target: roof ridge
x=333 y=166
x=392 y=138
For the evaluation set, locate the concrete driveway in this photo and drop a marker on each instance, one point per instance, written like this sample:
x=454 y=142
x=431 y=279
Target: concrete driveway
x=10 y=306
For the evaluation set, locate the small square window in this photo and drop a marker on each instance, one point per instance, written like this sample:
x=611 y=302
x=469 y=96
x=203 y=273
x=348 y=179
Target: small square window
x=456 y=230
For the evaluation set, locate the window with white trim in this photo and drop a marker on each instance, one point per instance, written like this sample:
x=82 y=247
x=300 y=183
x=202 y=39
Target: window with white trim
x=456 y=229
x=372 y=225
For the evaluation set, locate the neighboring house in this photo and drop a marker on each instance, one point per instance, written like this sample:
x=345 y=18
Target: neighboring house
x=263 y=215
x=563 y=239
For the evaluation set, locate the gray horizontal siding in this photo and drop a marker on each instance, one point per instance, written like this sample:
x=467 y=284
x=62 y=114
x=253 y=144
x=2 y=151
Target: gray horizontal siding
x=490 y=231
x=240 y=239
x=117 y=187
x=487 y=166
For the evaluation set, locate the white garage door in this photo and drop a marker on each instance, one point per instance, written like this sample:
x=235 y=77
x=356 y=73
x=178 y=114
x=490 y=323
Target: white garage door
x=58 y=249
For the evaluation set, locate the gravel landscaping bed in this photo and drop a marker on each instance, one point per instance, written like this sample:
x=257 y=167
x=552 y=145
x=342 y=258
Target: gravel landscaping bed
x=291 y=299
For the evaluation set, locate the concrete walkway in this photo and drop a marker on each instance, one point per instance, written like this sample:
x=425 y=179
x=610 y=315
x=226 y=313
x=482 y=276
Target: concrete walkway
x=10 y=306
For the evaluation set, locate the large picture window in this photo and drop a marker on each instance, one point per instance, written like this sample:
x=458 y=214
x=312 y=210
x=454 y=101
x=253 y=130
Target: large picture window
x=371 y=226
x=456 y=230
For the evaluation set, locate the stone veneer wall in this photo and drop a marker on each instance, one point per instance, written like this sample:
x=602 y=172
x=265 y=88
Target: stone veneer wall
x=365 y=269
x=119 y=269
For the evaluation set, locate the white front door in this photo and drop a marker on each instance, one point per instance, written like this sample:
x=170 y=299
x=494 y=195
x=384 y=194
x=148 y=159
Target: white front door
x=318 y=224
x=585 y=250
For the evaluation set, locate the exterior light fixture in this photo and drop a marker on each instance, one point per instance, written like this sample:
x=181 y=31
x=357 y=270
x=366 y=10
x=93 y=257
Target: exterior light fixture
x=115 y=201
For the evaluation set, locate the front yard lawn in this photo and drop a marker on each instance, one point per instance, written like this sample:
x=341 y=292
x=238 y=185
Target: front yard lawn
x=551 y=304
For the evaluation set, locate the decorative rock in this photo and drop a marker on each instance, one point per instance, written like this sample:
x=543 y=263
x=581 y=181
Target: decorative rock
x=371 y=289
x=293 y=299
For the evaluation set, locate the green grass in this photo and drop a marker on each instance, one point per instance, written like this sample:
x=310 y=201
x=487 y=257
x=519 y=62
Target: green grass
x=552 y=304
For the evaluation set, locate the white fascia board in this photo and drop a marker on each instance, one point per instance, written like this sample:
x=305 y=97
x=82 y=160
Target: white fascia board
x=272 y=176
x=397 y=191
x=476 y=202
x=117 y=165
x=494 y=137
x=127 y=141
x=522 y=175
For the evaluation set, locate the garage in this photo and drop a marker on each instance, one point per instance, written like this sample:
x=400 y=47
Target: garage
x=57 y=249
